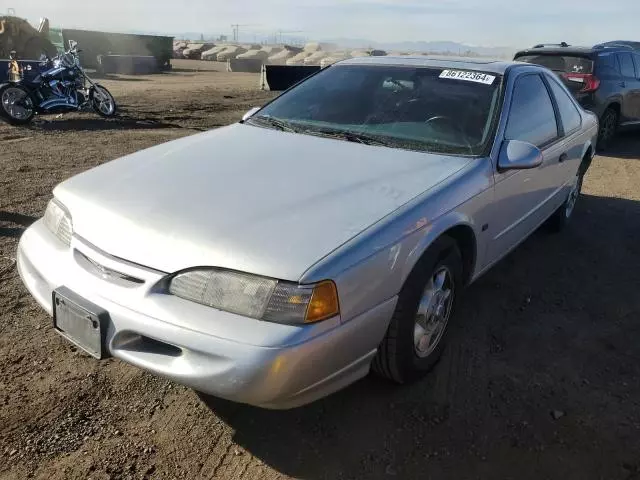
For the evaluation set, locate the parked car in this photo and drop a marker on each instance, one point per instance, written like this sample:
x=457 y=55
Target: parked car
x=275 y=260
x=605 y=79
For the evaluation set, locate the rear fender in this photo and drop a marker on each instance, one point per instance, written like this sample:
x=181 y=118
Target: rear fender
x=588 y=152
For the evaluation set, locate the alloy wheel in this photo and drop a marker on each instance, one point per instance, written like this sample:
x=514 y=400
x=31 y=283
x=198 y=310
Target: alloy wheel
x=16 y=103
x=433 y=312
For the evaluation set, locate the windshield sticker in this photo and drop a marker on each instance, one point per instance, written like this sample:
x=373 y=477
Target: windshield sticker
x=468 y=76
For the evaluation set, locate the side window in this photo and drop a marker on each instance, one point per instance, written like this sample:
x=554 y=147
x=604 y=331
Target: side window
x=636 y=58
x=607 y=66
x=569 y=114
x=626 y=65
x=532 y=118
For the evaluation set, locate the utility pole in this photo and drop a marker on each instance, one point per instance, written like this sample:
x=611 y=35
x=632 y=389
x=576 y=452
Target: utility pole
x=236 y=30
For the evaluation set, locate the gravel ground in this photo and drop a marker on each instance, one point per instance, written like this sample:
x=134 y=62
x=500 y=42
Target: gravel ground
x=540 y=378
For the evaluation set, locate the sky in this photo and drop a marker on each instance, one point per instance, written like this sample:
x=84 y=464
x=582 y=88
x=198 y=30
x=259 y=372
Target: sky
x=515 y=23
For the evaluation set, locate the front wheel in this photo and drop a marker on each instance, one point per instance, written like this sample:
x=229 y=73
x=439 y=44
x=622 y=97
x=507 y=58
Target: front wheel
x=417 y=332
x=102 y=101
x=16 y=104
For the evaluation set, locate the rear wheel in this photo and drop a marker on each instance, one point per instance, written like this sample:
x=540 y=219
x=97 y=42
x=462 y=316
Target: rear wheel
x=561 y=217
x=417 y=332
x=608 y=128
x=16 y=105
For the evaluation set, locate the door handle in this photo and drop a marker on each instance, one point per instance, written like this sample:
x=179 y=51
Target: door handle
x=563 y=157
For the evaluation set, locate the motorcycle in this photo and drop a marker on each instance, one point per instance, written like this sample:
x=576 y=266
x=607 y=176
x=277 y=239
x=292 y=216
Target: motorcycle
x=61 y=85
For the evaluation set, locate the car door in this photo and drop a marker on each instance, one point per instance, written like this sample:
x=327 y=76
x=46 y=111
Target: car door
x=571 y=129
x=635 y=103
x=525 y=198
x=630 y=109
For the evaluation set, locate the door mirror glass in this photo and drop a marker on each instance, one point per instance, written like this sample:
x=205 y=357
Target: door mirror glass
x=250 y=113
x=517 y=155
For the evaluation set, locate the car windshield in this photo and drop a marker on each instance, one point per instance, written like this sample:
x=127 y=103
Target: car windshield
x=560 y=63
x=426 y=109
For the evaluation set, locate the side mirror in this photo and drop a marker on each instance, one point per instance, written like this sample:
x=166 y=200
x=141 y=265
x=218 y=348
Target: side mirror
x=250 y=113
x=517 y=155
x=72 y=44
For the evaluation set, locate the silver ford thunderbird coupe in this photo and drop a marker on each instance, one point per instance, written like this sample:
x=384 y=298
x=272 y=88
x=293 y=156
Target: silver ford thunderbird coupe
x=330 y=232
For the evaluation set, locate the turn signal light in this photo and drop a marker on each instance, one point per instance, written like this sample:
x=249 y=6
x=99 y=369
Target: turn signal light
x=323 y=304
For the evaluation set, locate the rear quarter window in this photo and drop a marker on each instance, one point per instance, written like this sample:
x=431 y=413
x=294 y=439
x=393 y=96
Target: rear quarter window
x=607 y=66
x=626 y=65
x=569 y=114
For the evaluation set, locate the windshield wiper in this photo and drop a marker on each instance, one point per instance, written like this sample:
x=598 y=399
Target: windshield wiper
x=363 y=138
x=274 y=122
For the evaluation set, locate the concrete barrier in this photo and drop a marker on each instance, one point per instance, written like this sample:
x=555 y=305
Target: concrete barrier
x=282 y=77
x=249 y=65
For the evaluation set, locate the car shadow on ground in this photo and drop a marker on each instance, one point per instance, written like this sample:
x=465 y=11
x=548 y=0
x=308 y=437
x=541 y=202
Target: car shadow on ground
x=116 y=77
x=120 y=122
x=537 y=381
x=14 y=218
x=625 y=145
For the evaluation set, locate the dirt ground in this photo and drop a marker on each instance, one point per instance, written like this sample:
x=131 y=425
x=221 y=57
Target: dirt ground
x=541 y=378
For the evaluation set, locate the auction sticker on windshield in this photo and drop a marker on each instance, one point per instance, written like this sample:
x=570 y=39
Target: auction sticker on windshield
x=468 y=76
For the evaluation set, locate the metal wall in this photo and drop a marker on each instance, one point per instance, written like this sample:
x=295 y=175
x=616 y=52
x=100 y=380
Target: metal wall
x=283 y=77
x=93 y=43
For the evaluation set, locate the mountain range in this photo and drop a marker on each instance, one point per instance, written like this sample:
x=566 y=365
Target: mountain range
x=441 y=47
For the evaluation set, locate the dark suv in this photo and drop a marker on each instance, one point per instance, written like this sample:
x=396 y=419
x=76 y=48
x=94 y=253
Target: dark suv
x=604 y=78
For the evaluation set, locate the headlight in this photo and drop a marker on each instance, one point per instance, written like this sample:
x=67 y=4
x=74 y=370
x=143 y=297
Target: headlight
x=58 y=221
x=257 y=297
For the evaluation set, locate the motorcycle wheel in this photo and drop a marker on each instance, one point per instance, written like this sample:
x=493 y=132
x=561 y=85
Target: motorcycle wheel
x=102 y=101
x=16 y=105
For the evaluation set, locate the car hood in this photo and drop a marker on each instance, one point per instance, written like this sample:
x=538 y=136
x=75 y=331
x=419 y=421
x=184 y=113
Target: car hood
x=245 y=198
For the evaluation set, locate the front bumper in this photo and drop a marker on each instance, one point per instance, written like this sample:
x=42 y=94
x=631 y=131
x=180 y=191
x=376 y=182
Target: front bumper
x=218 y=353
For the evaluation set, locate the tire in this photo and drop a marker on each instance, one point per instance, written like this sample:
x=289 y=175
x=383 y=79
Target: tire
x=14 y=113
x=98 y=105
x=405 y=354
x=608 y=128
x=560 y=218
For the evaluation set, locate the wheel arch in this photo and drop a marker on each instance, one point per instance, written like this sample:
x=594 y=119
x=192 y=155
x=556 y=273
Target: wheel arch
x=616 y=104
x=588 y=153
x=462 y=232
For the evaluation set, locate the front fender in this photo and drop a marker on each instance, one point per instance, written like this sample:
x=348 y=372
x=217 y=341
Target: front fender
x=374 y=266
x=441 y=226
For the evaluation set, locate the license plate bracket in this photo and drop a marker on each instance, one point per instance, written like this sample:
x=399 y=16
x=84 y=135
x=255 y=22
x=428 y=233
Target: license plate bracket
x=81 y=322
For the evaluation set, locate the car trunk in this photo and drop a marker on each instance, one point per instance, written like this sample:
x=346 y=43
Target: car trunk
x=572 y=69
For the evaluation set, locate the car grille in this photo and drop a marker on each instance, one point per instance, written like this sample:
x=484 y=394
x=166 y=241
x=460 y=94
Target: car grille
x=108 y=274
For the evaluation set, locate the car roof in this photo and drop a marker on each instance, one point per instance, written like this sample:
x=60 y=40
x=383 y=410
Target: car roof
x=622 y=45
x=483 y=65
x=559 y=50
